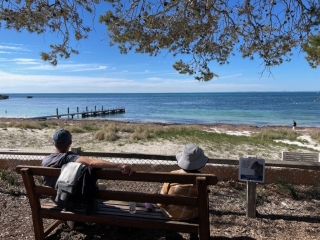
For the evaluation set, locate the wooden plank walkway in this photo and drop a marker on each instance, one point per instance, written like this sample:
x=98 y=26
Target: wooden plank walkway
x=84 y=114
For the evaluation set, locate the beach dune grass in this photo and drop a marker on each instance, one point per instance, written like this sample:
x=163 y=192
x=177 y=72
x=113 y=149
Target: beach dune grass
x=185 y=134
x=123 y=133
x=315 y=136
x=276 y=135
x=30 y=124
x=81 y=128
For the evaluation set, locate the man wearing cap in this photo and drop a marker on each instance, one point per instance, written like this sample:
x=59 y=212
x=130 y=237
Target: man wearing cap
x=62 y=140
x=190 y=161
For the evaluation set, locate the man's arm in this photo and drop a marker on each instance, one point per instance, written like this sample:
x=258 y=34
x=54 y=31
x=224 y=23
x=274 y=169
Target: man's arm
x=98 y=163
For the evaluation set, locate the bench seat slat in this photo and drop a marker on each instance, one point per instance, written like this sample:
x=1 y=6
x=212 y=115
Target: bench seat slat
x=107 y=208
x=128 y=196
x=121 y=220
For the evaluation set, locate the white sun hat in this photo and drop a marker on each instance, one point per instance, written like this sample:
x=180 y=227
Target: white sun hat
x=192 y=157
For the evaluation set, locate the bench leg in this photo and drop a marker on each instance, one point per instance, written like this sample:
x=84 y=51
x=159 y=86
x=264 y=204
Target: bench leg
x=51 y=227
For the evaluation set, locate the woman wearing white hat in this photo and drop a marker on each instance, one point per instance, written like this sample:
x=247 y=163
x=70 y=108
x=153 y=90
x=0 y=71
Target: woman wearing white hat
x=190 y=161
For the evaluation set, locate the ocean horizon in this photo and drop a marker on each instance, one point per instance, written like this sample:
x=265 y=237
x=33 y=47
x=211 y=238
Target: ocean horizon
x=252 y=108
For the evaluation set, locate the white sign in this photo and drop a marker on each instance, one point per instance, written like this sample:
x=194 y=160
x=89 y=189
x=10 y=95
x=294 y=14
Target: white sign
x=251 y=169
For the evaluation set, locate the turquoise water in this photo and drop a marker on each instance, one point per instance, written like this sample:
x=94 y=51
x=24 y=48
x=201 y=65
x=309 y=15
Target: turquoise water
x=254 y=108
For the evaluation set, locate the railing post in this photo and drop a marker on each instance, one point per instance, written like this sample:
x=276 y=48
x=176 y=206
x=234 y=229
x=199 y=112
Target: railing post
x=251 y=199
x=76 y=150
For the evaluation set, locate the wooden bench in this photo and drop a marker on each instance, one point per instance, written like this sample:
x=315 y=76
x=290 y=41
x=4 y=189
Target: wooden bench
x=113 y=205
x=301 y=156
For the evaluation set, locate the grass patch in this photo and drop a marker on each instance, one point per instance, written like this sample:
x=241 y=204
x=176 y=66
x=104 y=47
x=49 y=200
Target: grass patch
x=3 y=125
x=3 y=175
x=288 y=187
x=276 y=135
x=186 y=134
x=313 y=192
x=9 y=177
x=315 y=136
x=33 y=124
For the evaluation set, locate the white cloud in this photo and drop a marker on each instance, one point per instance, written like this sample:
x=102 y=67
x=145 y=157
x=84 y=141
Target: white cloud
x=230 y=76
x=154 y=79
x=10 y=48
x=69 y=67
x=90 y=69
x=25 y=61
x=13 y=48
x=23 y=83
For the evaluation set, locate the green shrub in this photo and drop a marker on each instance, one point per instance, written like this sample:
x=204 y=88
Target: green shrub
x=289 y=187
x=276 y=135
x=3 y=175
x=75 y=129
x=111 y=136
x=12 y=180
x=99 y=135
x=315 y=136
x=313 y=192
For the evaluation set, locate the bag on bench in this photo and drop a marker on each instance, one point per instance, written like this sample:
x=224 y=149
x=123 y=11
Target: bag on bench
x=79 y=189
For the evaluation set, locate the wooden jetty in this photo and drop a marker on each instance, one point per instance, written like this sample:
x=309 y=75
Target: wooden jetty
x=85 y=113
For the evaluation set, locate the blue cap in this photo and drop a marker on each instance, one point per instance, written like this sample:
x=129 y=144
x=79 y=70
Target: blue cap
x=62 y=137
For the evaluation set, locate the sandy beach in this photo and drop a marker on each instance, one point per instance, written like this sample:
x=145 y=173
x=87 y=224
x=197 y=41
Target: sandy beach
x=35 y=140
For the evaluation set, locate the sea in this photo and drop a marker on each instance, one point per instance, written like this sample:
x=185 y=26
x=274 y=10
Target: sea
x=251 y=108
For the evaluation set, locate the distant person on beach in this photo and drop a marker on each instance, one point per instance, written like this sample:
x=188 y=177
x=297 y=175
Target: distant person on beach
x=190 y=161
x=294 y=125
x=62 y=140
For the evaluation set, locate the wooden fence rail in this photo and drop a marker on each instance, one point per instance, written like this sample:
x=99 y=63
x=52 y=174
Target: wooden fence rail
x=225 y=169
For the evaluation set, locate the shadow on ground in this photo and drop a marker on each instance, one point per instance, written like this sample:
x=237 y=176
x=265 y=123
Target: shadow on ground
x=94 y=231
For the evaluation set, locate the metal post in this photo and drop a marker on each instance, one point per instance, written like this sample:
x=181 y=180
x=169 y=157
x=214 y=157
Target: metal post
x=251 y=199
x=76 y=150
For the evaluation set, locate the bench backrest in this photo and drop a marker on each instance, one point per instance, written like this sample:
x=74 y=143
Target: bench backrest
x=201 y=180
x=301 y=156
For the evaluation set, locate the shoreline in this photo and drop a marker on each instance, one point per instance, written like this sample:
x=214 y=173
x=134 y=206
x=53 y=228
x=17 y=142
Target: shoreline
x=218 y=125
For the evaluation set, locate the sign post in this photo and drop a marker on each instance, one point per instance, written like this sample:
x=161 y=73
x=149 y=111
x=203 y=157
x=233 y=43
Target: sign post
x=251 y=170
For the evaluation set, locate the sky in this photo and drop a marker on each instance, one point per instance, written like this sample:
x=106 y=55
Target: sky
x=100 y=68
